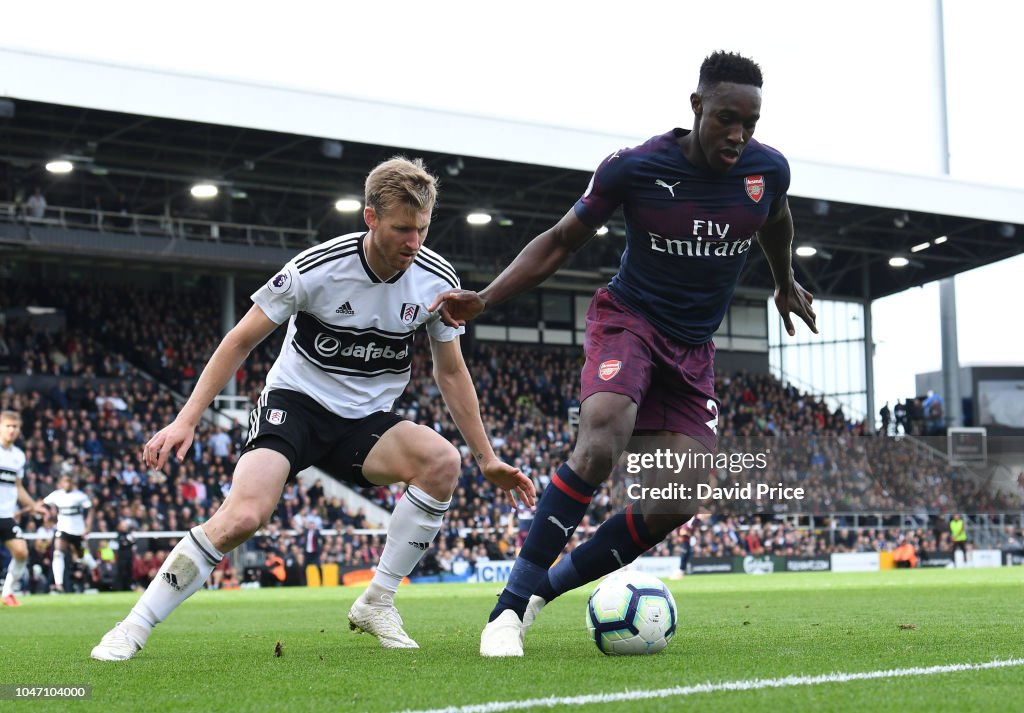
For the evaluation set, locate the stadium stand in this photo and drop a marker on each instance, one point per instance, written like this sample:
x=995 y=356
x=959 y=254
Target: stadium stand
x=110 y=365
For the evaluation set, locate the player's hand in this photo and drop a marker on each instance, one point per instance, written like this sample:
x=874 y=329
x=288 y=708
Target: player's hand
x=510 y=479
x=178 y=437
x=458 y=306
x=40 y=508
x=795 y=300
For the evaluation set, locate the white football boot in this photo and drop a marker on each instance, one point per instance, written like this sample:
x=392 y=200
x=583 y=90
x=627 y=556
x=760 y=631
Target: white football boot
x=381 y=620
x=120 y=643
x=532 y=610
x=503 y=636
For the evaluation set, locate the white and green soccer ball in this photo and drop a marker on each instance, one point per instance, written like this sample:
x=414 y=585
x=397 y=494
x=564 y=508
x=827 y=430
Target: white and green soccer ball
x=631 y=613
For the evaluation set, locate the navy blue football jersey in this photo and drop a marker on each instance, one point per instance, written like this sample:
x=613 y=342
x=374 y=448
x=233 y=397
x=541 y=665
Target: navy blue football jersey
x=688 y=230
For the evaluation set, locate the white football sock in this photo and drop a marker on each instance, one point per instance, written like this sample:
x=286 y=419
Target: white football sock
x=58 y=568
x=414 y=524
x=182 y=574
x=15 y=571
x=89 y=561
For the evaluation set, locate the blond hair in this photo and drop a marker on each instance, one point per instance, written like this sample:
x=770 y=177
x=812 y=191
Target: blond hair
x=400 y=181
x=10 y=416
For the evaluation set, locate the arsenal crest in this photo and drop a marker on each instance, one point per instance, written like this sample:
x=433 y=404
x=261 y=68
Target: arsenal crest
x=755 y=187
x=609 y=369
x=409 y=313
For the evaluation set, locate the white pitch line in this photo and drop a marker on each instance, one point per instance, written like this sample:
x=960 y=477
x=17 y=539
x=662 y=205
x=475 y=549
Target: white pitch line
x=748 y=685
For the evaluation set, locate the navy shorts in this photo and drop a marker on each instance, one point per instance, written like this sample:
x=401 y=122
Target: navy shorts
x=672 y=383
x=307 y=434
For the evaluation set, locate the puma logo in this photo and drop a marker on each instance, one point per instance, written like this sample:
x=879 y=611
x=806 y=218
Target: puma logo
x=671 y=189
x=554 y=521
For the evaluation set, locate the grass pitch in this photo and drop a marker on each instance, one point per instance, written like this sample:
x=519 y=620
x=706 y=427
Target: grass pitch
x=217 y=652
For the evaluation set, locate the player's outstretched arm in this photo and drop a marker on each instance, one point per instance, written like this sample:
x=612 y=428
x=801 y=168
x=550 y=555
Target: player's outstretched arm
x=537 y=262
x=252 y=329
x=796 y=300
x=30 y=503
x=776 y=239
x=456 y=386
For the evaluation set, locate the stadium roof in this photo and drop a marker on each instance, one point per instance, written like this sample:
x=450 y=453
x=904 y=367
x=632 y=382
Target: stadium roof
x=288 y=180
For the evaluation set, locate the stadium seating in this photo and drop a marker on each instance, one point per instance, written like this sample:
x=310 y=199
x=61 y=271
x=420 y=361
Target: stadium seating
x=103 y=381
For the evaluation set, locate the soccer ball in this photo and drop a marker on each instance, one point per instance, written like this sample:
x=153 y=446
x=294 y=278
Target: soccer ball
x=631 y=613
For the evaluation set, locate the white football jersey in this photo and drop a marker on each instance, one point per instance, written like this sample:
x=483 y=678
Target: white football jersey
x=71 y=509
x=12 y=469
x=350 y=334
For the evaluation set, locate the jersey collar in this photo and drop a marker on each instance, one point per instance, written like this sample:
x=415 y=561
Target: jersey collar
x=369 y=270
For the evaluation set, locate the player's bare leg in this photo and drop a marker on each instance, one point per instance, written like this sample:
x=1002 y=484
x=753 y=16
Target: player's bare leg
x=15 y=571
x=418 y=456
x=259 y=479
x=85 y=557
x=606 y=424
x=627 y=535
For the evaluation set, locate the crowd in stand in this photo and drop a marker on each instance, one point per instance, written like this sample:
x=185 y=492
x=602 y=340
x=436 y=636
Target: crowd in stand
x=117 y=332
x=726 y=537
x=91 y=422
x=921 y=416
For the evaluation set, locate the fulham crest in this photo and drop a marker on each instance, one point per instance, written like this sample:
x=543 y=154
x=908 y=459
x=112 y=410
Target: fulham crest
x=755 y=187
x=609 y=369
x=409 y=313
x=276 y=416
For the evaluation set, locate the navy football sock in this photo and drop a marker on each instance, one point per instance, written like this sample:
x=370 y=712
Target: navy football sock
x=561 y=578
x=620 y=540
x=559 y=511
x=521 y=582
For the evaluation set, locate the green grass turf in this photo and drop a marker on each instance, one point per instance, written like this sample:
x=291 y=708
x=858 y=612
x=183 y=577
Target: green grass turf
x=217 y=651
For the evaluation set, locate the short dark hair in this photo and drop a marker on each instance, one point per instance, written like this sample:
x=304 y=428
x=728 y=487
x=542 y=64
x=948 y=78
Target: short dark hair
x=722 y=66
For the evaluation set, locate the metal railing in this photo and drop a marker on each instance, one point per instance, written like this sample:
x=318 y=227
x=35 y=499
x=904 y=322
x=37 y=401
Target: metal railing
x=987 y=529
x=924 y=447
x=162 y=226
x=833 y=401
x=226 y=401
